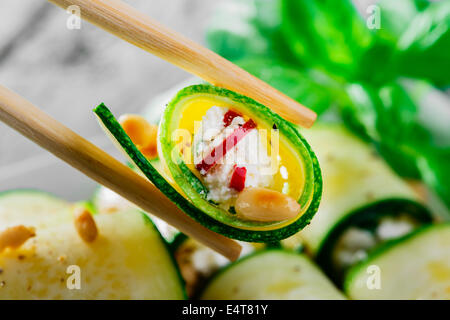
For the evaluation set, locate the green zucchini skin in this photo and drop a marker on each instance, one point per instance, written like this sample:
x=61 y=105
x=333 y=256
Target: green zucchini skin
x=407 y=255
x=369 y=213
x=177 y=241
x=112 y=125
x=169 y=247
x=193 y=180
x=270 y=274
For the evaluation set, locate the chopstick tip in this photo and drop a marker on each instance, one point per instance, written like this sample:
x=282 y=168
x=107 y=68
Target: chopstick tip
x=235 y=251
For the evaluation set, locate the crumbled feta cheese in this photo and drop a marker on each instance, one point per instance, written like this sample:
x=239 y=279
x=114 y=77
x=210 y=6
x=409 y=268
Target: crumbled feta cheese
x=207 y=261
x=390 y=228
x=355 y=243
x=250 y=153
x=353 y=246
x=355 y=239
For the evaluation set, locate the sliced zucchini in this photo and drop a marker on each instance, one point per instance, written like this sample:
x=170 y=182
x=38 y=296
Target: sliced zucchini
x=355 y=177
x=107 y=201
x=127 y=260
x=271 y=274
x=362 y=231
x=184 y=186
x=294 y=243
x=198 y=263
x=416 y=266
x=364 y=203
x=33 y=208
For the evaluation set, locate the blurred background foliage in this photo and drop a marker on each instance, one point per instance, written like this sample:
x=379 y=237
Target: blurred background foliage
x=377 y=81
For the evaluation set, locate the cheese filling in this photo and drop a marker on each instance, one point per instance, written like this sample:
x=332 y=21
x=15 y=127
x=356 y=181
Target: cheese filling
x=356 y=243
x=240 y=155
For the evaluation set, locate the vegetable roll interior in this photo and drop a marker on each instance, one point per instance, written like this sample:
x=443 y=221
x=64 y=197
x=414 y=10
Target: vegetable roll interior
x=242 y=163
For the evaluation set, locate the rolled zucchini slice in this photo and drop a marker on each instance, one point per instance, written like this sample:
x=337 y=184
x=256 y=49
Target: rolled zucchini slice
x=364 y=203
x=416 y=266
x=197 y=263
x=363 y=231
x=206 y=185
x=271 y=275
x=127 y=260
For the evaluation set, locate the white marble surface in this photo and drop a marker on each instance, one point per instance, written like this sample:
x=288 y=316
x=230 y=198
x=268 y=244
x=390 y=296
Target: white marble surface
x=68 y=72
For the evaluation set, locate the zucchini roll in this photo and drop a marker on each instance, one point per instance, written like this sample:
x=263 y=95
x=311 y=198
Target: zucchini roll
x=272 y=274
x=364 y=203
x=49 y=246
x=197 y=263
x=227 y=161
x=416 y=266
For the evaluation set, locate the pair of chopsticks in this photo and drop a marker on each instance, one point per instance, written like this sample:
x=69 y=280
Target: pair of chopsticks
x=129 y=24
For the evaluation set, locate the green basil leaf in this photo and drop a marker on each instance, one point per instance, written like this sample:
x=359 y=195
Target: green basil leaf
x=409 y=130
x=424 y=47
x=326 y=34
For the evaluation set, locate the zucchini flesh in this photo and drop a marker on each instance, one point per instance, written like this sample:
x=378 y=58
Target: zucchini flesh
x=414 y=267
x=128 y=260
x=355 y=179
x=107 y=201
x=271 y=274
x=187 y=192
x=33 y=208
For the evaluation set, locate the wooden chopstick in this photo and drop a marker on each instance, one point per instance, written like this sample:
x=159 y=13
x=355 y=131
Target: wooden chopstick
x=131 y=25
x=50 y=134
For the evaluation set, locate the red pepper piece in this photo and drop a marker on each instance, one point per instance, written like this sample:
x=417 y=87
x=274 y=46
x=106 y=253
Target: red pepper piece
x=229 y=116
x=237 y=181
x=219 y=152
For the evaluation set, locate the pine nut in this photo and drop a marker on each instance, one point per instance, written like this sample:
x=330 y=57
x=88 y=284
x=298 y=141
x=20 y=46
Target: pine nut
x=85 y=224
x=142 y=133
x=14 y=237
x=265 y=205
